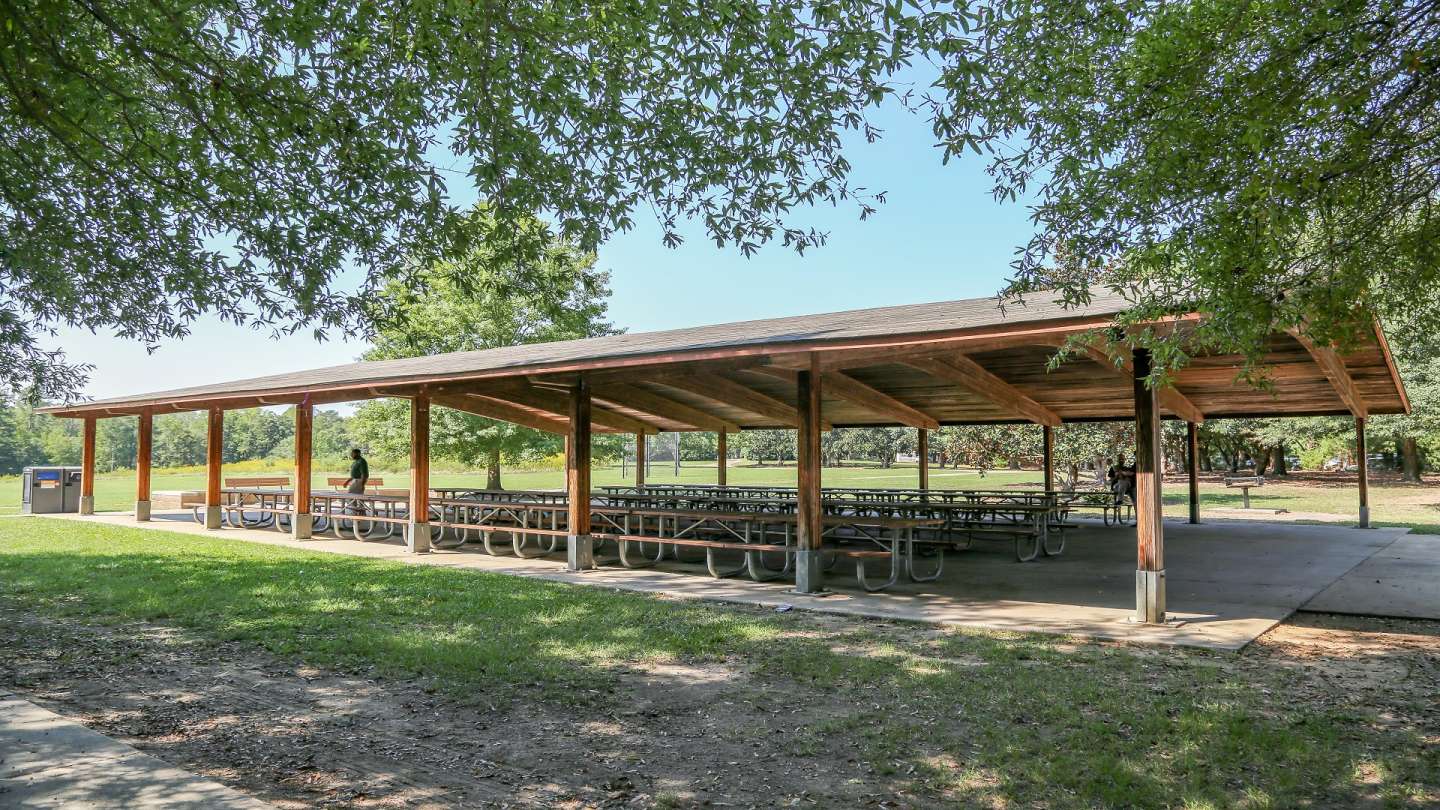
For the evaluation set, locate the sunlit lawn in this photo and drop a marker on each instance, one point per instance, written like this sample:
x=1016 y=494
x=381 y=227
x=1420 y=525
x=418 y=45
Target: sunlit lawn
x=984 y=719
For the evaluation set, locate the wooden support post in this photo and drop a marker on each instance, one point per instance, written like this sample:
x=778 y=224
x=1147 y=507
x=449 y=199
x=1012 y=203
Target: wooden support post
x=1192 y=468
x=301 y=520
x=87 y=467
x=808 y=570
x=214 y=454
x=580 y=548
x=1149 y=529
x=417 y=535
x=640 y=460
x=922 y=449
x=1047 y=456
x=1362 y=464
x=144 y=441
x=721 y=458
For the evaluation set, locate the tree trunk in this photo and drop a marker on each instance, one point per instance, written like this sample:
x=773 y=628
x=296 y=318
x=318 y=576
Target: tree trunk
x=1277 y=460
x=492 y=471
x=1262 y=462
x=1410 y=459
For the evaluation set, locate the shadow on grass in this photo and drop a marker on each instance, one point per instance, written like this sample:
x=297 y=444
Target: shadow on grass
x=975 y=717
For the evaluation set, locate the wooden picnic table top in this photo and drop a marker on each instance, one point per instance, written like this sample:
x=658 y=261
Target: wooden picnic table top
x=698 y=514
x=314 y=495
x=839 y=503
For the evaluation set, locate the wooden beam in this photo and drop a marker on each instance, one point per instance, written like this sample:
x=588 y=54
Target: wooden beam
x=1362 y=465
x=809 y=576
x=1192 y=469
x=868 y=397
x=417 y=534
x=214 y=455
x=579 y=546
x=558 y=404
x=957 y=369
x=886 y=349
x=1047 y=457
x=1169 y=398
x=721 y=458
x=1149 y=527
x=1335 y=371
x=144 y=442
x=922 y=451
x=504 y=411
x=301 y=521
x=725 y=390
x=87 y=466
x=640 y=399
x=640 y=460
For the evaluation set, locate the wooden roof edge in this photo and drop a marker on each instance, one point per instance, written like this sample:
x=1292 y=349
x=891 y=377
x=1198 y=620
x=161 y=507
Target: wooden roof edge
x=1390 y=364
x=757 y=349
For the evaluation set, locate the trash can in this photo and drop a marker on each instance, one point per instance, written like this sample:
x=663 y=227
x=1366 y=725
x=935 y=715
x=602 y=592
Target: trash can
x=47 y=490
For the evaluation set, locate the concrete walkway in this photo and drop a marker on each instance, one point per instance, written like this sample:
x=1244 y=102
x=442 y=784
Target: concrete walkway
x=48 y=761
x=1229 y=582
x=1401 y=580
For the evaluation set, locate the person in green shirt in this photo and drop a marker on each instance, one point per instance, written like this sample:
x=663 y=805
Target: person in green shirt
x=359 y=473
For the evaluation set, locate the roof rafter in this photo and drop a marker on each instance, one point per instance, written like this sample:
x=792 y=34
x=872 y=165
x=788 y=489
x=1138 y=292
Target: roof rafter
x=1333 y=367
x=866 y=396
x=966 y=373
x=558 y=406
x=725 y=390
x=504 y=411
x=640 y=399
x=1170 y=398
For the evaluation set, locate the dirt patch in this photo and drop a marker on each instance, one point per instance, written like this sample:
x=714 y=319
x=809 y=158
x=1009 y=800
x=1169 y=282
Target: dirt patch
x=296 y=736
x=670 y=736
x=1388 y=667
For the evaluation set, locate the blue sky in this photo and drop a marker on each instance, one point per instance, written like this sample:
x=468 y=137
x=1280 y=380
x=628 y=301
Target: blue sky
x=939 y=236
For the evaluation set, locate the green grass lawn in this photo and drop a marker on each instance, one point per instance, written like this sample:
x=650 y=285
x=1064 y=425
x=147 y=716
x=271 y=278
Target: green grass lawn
x=1392 y=503
x=982 y=718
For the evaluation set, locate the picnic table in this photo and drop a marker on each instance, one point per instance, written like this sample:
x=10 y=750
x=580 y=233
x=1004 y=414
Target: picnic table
x=754 y=534
x=1032 y=520
x=367 y=516
x=1244 y=483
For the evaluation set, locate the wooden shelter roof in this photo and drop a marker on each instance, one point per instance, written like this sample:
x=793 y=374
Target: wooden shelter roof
x=924 y=365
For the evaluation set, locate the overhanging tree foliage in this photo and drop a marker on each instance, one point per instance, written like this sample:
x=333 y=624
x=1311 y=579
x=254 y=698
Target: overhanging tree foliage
x=566 y=301
x=162 y=160
x=1270 y=163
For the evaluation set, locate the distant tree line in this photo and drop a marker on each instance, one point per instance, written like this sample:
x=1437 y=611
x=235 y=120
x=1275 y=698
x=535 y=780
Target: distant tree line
x=29 y=439
x=380 y=429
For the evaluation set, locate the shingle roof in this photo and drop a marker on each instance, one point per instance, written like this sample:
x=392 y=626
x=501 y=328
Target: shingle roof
x=790 y=332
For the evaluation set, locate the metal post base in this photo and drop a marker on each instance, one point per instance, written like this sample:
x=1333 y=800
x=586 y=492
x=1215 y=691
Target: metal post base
x=300 y=526
x=212 y=517
x=809 y=573
x=1150 y=596
x=1364 y=517
x=580 y=552
x=87 y=504
x=417 y=537
x=142 y=511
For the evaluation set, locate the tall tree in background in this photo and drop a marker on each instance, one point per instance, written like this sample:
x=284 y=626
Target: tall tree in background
x=162 y=160
x=565 y=300
x=1270 y=163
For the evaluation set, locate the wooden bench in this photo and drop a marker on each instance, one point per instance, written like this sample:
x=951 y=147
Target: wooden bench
x=258 y=481
x=371 y=483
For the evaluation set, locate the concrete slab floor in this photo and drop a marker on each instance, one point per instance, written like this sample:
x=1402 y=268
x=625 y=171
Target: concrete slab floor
x=1402 y=579
x=1228 y=582
x=48 y=761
